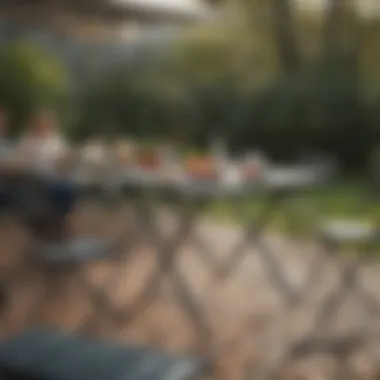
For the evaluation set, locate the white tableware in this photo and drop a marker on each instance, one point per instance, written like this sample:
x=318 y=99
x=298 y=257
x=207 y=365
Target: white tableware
x=232 y=176
x=219 y=153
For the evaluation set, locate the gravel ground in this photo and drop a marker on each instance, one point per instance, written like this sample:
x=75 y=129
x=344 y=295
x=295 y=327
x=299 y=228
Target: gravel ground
x=249 y=322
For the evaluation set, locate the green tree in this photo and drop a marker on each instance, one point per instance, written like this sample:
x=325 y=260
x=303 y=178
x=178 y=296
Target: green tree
x=30 y=77
x=265 y=75
x=120 y=101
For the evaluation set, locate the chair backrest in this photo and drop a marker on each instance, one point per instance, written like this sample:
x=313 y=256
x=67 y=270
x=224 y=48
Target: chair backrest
x=53 y=355
x=77 y=251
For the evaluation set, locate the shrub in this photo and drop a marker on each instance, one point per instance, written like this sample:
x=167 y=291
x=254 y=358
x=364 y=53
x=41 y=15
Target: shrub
x=30 y=77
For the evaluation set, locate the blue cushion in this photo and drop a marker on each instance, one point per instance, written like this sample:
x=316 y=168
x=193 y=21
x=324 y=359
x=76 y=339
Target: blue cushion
x=45 y=354
x=79 y=250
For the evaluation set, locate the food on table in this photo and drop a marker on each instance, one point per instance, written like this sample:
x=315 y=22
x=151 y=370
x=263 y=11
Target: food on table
x=171 y=163
x=232 y=174
x=168 y=155
x=201 y=167
x=94 y=152
x=148 y=159
x=254 y=166
x=252 y=171
x=126 y=151
x=220 y=156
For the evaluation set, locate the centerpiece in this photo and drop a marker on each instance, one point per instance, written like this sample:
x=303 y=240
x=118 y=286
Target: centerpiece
x=148 y=158
x=254 y=166
x=126 y=152
x=201 y=167
x=94 y=152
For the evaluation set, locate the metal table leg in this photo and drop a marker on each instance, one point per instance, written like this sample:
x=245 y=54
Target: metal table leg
x=252 y=237
x=348 y=285
x=166 y=250
x=99 y=296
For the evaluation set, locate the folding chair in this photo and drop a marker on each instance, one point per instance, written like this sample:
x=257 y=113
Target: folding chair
x=57 y=263
x=47 y=354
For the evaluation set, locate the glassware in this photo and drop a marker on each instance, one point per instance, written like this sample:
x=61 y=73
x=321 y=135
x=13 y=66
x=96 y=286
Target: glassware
x=232 y=174
x=168 y=155
x=171 y=163
x=94 y=152
x=219 y=154
x=255 y=165
x=126 y=151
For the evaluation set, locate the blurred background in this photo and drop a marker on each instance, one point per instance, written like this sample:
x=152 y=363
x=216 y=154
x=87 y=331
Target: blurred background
x=291 y=78
x=288 y=76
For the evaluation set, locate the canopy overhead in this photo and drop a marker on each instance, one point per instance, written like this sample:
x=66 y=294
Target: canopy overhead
x=175 y=11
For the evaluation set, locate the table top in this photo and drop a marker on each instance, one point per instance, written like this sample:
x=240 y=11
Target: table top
x=281 y=178
x=274 y=178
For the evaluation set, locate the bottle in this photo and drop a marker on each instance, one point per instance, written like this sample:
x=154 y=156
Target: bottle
x=126 y=151
x=255 y=165
x=232 y=174
x=171 y=164
x=219 y=154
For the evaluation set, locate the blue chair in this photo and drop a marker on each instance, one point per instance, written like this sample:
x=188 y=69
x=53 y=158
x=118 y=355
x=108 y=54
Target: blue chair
x=57 y=262
x=78 y=251
x=43 y=354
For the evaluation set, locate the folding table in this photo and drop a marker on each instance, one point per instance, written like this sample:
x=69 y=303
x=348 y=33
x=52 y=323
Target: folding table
x=187 y=198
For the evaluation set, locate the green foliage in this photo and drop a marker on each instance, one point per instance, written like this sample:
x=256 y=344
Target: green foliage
x=370 y=57
x=30 y=77
x=116 y=103
x=316 y=112
x=223 y=53
x=226 y=79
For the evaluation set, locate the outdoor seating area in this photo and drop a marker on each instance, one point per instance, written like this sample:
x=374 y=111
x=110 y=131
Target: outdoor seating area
x=189 y=189
x=164 y=218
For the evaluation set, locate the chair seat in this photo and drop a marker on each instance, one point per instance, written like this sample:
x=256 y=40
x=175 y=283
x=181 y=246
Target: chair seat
x=53 y=355
x=349 y=231
x=78 y=250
